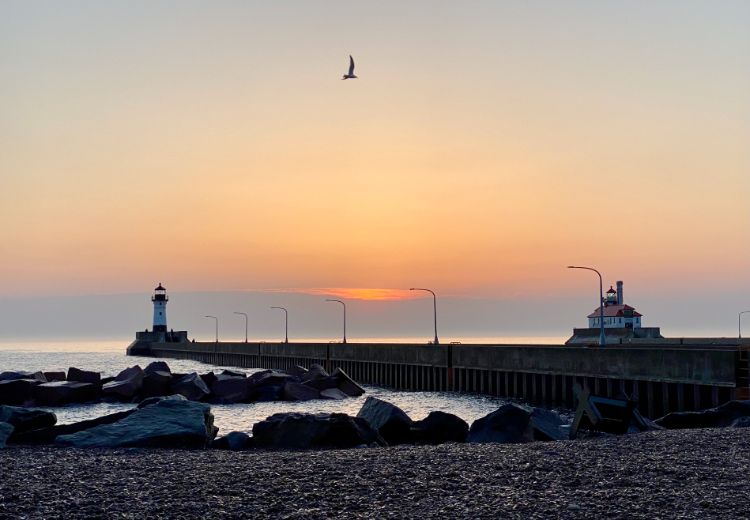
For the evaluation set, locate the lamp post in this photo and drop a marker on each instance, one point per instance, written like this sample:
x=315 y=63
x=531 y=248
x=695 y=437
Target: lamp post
x=739 y=322
x=342 y=303
x=286 y=323
x=245 y=315
x=217 y=326
x=602 y=339
x=434 y=307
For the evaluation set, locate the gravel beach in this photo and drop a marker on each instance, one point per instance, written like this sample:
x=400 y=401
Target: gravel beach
x=665 y=474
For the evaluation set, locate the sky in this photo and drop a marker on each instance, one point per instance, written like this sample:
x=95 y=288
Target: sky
x=485 y=146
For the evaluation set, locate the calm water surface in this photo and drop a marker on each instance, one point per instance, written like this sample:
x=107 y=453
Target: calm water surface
x=109 y=358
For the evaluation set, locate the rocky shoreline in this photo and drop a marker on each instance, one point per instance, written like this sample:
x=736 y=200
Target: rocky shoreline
x=658 y=474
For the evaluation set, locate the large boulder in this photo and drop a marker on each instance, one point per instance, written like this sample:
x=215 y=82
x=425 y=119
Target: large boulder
x=333 y=394
x=17 y=391
x=298 y=392
x=346 y=384
x=49 y=434
x=126 y=384
x=546 y=425
x=305 y=431
x=11 y=375
x=719 y=417
x=84 y=376
x=59 y=393
x=166 y=424
x=297 y=372
x=390 y=421
x=157 y=366
x=153 y=400
x=233 y=373
x=228 y=389
x=314 y=372
x=5 y=432
x=155 y=383
x=25 y=419
x=191 y=386
x=233 y=441
x=54 y=376
x=439 y=427
x=507 y=424
x=209 y=378
x=267 y=385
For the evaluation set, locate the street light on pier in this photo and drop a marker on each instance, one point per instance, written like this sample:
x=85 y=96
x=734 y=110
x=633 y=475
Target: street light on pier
x=342 y=303
x=434 y=308
x=602 y=339
x=286 y=323
x=739 y=322
x=245 y=315
x=217 y=326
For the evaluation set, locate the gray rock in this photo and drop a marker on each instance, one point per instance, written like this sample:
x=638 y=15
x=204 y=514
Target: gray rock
x=48 y=435
x=333 y=393
x=390 y=421
x=719 y=417
x=17 y=391
x=84 y=376
x=298 y=392
x=507 y=424
x=59 y=393
x=54 y=376
x=25 y=419
x=297 y=372
x=5 y=432
x=157 y=366
x=228 y=389
x=315 y=372
x=126 y=384
x=190 y=386
x=233 y=373
x=155 y=383
x=545 y=425
x=346 y=384
x=233 y=441
x=209 y=378
x=153 y=400
x=166 y=424
x=439 y=427
x=18 y=374
x=741 y=422
x=305 y=431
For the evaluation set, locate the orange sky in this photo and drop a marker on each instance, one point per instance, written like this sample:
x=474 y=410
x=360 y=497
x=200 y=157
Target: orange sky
x=482 y=149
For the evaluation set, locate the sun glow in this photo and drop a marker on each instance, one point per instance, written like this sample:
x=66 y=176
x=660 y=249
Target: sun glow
x=357 y=293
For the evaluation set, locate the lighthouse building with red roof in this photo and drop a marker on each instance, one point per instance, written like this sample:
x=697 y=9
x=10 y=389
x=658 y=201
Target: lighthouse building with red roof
x=622 y=323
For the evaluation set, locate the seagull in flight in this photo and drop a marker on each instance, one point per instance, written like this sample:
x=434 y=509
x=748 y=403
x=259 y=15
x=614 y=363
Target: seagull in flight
x=350 y=74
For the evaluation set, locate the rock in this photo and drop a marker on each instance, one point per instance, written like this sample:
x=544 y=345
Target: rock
x=267 y=385
x=298 y=392
x=209 y=378
x=439 y=427
x=333 y=393
x=49 y=434
x=228 y=389
x=305 y=431
x=166 y=424
x=54 y=376
x=18 y=374
x=507 y=424
x=741 y=422
x=718 y=417
x=17 y=391
x=84 y=376
x=322 y=383
x=25 y=419
x=153 y=400
x=266 y=393
x=126 y=384
x=390 y=421
x=157 y=366
x=191 y=386
x=346 y=384
x=297 y=372
x=545 y=425
x=5 y=432
x=315 y=372
x=155 y=383
x=233 y=441
x=59 y=393
x=234 y=373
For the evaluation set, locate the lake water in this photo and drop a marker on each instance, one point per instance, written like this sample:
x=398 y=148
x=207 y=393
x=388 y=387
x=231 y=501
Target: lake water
x=109 y=358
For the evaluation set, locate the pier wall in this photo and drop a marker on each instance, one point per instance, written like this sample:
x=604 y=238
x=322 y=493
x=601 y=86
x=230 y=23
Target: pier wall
x=664 y=378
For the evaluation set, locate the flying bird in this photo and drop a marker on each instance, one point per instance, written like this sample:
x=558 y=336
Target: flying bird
x=350 y=74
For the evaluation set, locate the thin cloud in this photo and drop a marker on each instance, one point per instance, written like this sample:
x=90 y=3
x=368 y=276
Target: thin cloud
x=354 y=293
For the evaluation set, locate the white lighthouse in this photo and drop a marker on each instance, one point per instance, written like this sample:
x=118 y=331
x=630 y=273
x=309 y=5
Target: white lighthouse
x=160 y=300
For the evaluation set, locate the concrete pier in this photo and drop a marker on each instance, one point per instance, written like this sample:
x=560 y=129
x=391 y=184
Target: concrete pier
x=670 y=376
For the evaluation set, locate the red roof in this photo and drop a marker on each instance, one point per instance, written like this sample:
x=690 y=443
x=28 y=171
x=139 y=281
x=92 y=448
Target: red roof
x=611 y=290
x=615 y=311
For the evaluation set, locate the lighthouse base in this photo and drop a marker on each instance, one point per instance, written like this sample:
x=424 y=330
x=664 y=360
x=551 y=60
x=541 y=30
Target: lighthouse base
x=143 y=340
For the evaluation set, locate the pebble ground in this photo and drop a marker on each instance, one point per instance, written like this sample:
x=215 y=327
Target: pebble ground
x=665 y=474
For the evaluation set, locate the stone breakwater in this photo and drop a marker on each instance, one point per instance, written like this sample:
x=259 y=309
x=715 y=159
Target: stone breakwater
x=660 y=474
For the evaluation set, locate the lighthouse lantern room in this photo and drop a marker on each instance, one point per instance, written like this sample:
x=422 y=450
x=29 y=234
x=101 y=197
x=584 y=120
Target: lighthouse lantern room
x=160 y=300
